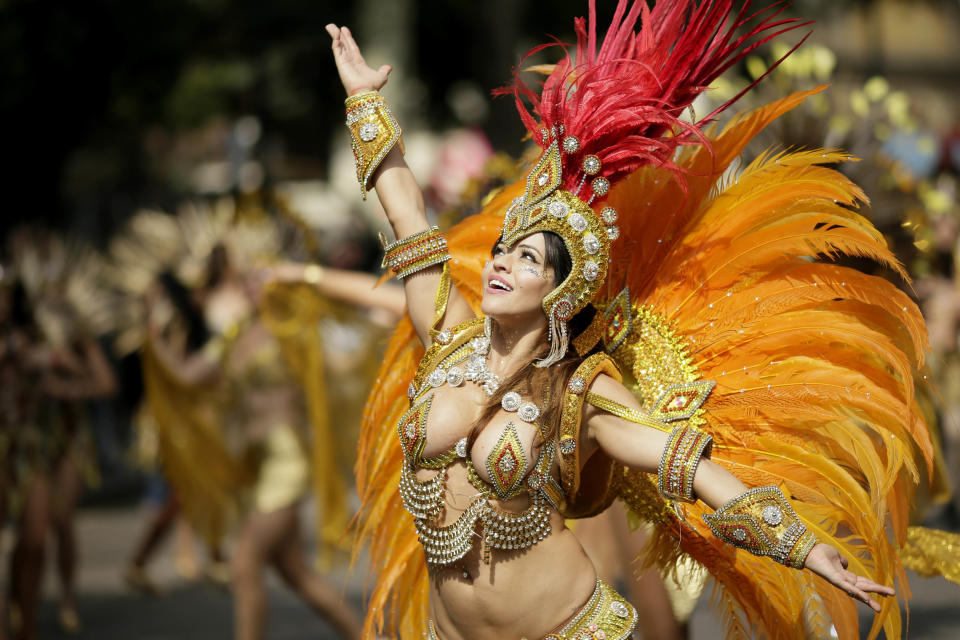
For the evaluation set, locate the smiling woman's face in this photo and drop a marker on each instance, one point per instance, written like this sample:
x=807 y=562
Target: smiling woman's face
x=516 y=279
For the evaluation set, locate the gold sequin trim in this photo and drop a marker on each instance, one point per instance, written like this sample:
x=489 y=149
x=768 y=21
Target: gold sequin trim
x=606 y=616
x=631 y=415
x=572 y=415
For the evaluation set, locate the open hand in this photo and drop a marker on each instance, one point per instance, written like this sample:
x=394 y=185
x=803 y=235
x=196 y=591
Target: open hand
x=355 y=74
x=827 y=562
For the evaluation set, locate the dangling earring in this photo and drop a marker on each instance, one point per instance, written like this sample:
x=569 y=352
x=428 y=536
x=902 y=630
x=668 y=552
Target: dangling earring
x=557 y=333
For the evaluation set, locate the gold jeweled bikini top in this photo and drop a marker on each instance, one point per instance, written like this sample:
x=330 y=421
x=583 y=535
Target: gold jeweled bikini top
x=450 y=359
x=458 y=354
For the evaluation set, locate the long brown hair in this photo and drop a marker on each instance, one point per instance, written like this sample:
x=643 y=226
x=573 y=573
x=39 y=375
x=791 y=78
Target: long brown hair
x=544 y=385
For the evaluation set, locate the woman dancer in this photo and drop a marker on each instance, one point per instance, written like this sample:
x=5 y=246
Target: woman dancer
x=22 y=362
x=185 y=327
x=265 y=410
x=60 y=368
x=88 y=376
x=516 y=417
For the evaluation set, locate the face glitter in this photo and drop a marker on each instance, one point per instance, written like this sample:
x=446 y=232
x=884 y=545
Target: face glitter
x=535 y=272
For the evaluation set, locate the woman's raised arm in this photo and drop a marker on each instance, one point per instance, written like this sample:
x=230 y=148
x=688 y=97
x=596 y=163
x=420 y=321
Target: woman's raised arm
x=398 y=192
x=641 y=447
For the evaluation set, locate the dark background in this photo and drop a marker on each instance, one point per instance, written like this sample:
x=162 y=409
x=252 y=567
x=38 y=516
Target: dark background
x=93 y=91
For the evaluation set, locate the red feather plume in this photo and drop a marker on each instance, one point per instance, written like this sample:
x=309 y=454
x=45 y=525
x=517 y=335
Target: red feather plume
x=623 y=102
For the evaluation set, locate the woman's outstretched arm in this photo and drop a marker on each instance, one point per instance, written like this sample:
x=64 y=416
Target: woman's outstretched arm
x=641 y=447
x=355 y=288
x=398 y=192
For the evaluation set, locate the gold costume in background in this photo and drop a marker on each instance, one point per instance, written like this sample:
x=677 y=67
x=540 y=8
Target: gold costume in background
x=292 y=313
x=192 y=448
x=930 y=553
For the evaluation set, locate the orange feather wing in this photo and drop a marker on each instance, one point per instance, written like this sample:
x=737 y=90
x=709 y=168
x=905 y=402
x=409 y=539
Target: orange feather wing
x=814 y=362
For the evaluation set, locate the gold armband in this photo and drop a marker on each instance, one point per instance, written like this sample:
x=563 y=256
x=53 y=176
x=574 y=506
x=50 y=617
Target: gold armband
x=678 y=464
x=621 y=411
x=415 y=253
x=373 y=132
x=763 y=522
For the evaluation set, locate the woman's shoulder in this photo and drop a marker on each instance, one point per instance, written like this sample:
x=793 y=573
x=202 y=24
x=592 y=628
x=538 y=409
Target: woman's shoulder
x=611 y=387
x=590 y=369
x=446 y=347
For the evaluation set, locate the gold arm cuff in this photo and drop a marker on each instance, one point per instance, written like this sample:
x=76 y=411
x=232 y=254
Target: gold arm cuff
x=631 y=415
x=416 y=253
x=373 y=133
x=685 y=446
x=762 y=522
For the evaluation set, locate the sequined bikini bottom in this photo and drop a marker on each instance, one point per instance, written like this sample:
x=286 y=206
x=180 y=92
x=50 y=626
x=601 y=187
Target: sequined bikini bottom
x=606 y=616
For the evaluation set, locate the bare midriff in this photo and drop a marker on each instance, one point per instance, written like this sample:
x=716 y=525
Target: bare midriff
x=520 y=594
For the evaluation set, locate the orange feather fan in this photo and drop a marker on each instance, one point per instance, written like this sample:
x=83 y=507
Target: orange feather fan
x=814 y=362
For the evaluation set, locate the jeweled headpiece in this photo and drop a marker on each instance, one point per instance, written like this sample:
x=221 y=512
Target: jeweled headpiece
x=610 y=111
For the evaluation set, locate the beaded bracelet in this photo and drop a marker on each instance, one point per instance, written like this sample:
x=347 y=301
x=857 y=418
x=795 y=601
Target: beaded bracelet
x=373 y=133
x=678 y=464
x=416 y=253
x=762 y=522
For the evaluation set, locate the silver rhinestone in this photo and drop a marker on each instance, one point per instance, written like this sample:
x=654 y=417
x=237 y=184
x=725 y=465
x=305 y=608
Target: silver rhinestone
x=590 y=270
x=558 y=208
x=480 y=344
x=411 y=391
x=444 y=337
x=510 y=401
x=739 y=534
x=437 y=378
x=591 y=165
x=528 y=412
x=613 y=232
x=619 y=609
x=601 y=186
x=369 y=131
x=590 y=244
x=577 y=222
x=542 y=180
x=455 y=376
x=772 y=515
x=571 y=144
x=577 y=384
x=609 y=215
